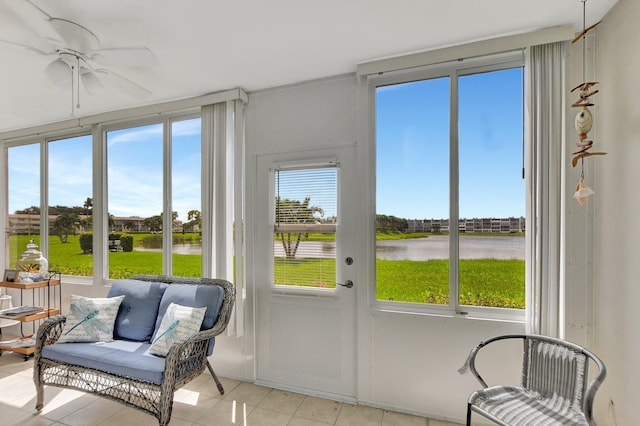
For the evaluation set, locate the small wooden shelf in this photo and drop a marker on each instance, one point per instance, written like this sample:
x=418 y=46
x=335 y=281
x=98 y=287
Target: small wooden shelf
x=28 y=286
x=42 y=288
x=43 y=313
x=24 y=351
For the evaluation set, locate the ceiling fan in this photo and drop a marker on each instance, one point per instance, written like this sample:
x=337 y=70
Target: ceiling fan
x=76 y=54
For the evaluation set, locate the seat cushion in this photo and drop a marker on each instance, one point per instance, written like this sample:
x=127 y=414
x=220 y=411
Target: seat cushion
x=120 y=357
x=136 y=319
x=515 y=405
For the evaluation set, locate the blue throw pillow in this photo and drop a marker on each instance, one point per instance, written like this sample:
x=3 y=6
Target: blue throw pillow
x=136 y=318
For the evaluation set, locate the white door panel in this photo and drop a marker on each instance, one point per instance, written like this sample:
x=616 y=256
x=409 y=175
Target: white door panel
x=305 y=336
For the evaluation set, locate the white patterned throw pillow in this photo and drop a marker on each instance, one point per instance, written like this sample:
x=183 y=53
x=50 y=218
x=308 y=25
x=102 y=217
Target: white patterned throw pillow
x=177 y=323
x=91 y=319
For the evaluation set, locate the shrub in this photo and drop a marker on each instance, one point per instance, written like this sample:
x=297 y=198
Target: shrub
x=126 y=242
x=86 y=242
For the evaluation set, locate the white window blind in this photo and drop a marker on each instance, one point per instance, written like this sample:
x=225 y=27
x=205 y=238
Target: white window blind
x=304 y=232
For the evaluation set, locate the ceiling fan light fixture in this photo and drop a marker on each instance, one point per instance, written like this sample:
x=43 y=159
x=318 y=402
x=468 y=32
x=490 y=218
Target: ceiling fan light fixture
x=91 y=82
x=60 y=73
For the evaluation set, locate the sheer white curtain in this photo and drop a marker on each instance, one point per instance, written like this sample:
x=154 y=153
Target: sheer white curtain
x=223 y=199
x=545 y=124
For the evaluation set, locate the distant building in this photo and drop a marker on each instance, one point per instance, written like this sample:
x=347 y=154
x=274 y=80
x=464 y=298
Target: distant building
x=29 y=224
x=506 y=225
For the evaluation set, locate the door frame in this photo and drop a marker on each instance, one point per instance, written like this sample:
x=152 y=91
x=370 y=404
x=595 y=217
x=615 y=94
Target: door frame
x=311 y=301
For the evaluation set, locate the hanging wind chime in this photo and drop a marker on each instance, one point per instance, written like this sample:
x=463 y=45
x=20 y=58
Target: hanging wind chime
x=584 y=119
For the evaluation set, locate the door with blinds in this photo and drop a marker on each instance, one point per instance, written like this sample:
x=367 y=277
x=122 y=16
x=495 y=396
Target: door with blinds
x=305 y=328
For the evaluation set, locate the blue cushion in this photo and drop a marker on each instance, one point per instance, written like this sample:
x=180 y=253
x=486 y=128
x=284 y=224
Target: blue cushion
x=196 y=296
x=136 y=319
x=120 y=357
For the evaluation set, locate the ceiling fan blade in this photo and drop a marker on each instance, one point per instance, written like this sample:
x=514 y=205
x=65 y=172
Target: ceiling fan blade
x=122 y=84
x=60 y=74
x=75 y=36
x=91 y=82
x=132 y=57
x=28 y=47
x=36 y=19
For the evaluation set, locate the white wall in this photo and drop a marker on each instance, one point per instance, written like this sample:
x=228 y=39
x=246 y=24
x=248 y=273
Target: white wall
x=617 y=238
x=406 y=362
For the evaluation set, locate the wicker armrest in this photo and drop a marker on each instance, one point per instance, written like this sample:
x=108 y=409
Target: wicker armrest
x=49 y=331
x=188 y=356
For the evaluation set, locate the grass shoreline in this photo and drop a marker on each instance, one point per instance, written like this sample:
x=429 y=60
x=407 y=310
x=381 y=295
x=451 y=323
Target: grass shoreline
x=483 y=282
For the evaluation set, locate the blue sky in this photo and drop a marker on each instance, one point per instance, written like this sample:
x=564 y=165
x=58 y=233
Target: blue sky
x=134 y=168
x=412 y=127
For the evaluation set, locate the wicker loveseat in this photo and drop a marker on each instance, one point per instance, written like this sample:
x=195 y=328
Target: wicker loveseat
x=124 y=370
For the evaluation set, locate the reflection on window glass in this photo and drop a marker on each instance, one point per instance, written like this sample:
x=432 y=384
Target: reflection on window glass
x=186 y=184
x=412 y=192
x=23 y=196
x=135 y=200
x=70 y=206
x=492 y=191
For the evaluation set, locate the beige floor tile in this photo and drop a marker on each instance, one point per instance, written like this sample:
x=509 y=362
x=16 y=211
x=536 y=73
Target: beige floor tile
x=282 y=402
x=27 y=419
x=391 y=418
x=94 y=413
x=198 y=403
x=318 y=409
x=247 y=393
x=299 y=421
x=130 y=417
x=192 y=405
x=359 y=415
x=442 y=423
x=262 y=417
x=225 y=413
x=59 y=403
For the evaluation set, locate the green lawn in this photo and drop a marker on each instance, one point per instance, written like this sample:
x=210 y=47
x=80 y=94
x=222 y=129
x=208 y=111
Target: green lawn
x=483 y=282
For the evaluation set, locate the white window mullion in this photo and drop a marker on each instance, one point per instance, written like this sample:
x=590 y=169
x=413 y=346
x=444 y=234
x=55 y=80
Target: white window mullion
x=167 y=215
x=454 y=177
x=207 y=135
x=44 y=199
x=100 y=213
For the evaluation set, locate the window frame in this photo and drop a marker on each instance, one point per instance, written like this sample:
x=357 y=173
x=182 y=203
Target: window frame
x=453 y=70
x=100 y=185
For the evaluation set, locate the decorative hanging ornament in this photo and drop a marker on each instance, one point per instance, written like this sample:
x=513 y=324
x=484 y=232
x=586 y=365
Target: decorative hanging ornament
x=582 y=191
x=584 y=118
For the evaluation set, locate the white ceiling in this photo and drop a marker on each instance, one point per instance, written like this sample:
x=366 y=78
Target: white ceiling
x=205 y=46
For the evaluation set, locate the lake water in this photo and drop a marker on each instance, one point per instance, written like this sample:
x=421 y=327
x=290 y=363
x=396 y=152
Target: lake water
x=434 y=247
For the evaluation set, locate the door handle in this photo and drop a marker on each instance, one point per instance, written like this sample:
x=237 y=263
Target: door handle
x=347 y=284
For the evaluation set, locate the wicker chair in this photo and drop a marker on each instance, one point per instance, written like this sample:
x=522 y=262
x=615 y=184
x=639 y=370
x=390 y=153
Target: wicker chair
x=185 y=361
x=554 y=389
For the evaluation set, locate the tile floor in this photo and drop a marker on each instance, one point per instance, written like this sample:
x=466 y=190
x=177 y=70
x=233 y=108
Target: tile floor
x=199 y=403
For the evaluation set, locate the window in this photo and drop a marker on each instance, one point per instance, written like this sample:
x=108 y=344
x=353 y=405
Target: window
x=450 y=193
x=186 y=184
x=131 y=197
x=23 y=195
x=70 y=195
x=138 y=218
x=304 y=218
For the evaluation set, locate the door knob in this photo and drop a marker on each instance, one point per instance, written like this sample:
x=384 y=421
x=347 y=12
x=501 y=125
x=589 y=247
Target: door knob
x=347 y=284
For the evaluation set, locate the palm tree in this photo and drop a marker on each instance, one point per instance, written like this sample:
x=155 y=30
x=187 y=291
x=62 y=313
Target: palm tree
x=295 y=212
